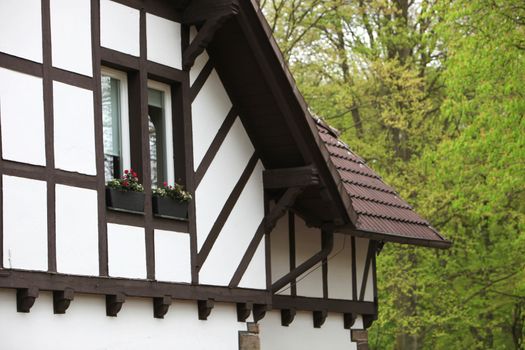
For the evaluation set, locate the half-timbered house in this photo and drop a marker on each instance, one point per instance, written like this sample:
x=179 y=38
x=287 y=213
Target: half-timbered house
x=279 y=247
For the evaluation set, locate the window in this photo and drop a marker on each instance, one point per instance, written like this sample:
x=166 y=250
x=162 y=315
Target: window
x=115 y=122
x=116 y=127
x=160 y=133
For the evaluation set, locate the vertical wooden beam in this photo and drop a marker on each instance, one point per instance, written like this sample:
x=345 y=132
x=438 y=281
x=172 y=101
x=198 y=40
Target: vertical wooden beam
x=146 y=166
x=99 y=140
x=267 y=246
x=324 y=271
x=291 y=247
x=189 y=166
x=354 y=269
x=49 y=133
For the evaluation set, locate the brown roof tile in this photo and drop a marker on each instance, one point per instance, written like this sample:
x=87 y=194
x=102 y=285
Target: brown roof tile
x=381 y=212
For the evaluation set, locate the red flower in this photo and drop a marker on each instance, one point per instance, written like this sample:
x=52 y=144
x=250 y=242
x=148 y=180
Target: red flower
x=134 y=174
x=125 y=184
x=126 y=171
x=165 y=184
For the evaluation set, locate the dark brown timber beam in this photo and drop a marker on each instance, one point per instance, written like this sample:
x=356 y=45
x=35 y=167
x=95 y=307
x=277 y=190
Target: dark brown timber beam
x=203 y=38
x=283 y=204
x=199 y=11
x=327 y=246
x=291 y=177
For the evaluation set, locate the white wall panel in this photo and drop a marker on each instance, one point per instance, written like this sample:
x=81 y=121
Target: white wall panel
x=200 y=62
x=25 y=223
x=361 y=249
x=21 y=28
x=71 y=35
x=280 y=252
x=308 y=243
x=74 y=129
x=85 y=326
x=119 y=27
x=163 y=41
x=209 y=109
x=301 y=335
x=172 y=256
x=255 y=275
x=76 y=230
x=238 y=231
x=126 y=251
x=22 y=117
x=361 y=253
x=221 y=177
x=340 y=268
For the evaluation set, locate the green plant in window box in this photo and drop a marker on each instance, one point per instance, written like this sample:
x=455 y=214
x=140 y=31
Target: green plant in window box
x=171 y=201
x=125 y=193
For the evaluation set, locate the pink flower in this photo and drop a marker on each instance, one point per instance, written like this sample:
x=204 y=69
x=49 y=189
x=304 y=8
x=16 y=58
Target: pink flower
x=165 y=184
x=125 y=184
x=126 y=171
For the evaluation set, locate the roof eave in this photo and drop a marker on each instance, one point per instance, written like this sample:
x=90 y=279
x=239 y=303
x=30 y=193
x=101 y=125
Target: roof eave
x=394 y=238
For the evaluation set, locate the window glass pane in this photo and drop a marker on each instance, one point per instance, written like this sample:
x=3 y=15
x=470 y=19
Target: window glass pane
x=156 y=136
x=111 y=126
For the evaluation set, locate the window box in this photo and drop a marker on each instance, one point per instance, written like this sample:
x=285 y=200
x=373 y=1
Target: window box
x=126 y=201
x=166 y=207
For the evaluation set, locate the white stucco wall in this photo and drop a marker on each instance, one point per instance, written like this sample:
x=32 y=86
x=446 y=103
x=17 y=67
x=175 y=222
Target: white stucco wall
x=163 y=41
x=209 y=109
x=21 y=28
x=76 y=231
x=85 y=326
x=220 y=179
x=71 y=35
x=22 y=117
x=340 y=268
x=25 y=240
x=307 y=244
x=74 y=130
x=301 y=335
x=126 y=251
x=172 y=256
x=119 y=27
x=235 y=237
x=280 y=252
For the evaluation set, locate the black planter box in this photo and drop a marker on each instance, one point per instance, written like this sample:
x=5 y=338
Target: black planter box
x=127 y=201
x=169 y=208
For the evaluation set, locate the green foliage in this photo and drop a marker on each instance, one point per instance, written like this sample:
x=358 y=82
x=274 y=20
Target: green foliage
x=432 y=94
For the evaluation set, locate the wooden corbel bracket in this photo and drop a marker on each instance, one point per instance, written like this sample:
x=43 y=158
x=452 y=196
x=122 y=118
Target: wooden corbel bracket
x=243 y=311
x=161 y=306
x=349 y=320
x=25 y=298
x=259 y=311
x=283 y=204
x=319 y=318
x=205 y=307
x=287 y=316
x=114 y=304
x=62 y=299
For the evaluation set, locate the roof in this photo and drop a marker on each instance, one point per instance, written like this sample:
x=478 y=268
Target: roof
x=379 y=208
x=285 y=134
